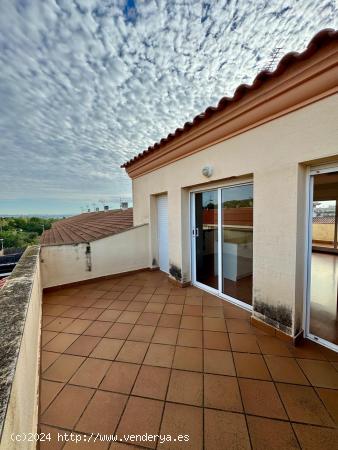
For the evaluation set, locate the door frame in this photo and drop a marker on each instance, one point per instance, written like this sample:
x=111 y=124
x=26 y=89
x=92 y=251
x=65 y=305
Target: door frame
x=165 y=194
x=217 y=292
x=311 y=173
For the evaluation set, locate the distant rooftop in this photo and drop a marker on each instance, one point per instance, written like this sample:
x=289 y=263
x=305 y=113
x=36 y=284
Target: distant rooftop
x=323 y=220
x=88 y=227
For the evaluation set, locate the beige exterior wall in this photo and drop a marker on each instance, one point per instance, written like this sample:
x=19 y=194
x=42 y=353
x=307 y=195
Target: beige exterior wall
x=275 y=155
x=323 y=232
x=123 y=252
x=22 y=412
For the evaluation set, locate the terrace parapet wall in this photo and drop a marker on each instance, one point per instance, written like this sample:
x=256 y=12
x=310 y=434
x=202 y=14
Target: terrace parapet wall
x=20 y=317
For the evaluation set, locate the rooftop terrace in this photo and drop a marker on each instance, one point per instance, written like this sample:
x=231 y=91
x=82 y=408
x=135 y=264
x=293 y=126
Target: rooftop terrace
x=136 y=355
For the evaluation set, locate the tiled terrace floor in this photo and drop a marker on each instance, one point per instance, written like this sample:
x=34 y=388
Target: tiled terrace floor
x=135 y=355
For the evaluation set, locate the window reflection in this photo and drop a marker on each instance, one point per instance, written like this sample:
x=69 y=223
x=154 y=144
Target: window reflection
x=237 y=242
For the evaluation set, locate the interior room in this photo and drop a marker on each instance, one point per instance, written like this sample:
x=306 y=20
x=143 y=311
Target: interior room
x=324 y=259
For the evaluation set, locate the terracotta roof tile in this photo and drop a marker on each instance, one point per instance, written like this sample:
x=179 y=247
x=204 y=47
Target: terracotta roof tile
x=319 y=40
x=88 y=227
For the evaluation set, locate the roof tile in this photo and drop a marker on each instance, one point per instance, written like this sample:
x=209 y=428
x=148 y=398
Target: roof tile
x=88 y=227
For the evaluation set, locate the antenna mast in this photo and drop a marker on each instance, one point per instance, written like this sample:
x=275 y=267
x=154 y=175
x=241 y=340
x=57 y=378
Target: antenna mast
x=275 y=56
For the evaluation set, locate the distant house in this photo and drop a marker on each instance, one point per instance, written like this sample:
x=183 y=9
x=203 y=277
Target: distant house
x=8 y=262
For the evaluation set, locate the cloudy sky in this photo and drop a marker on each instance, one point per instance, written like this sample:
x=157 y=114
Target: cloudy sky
x=87 y=84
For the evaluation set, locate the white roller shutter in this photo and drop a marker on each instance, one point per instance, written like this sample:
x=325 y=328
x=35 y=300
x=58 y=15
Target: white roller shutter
x=162 y=232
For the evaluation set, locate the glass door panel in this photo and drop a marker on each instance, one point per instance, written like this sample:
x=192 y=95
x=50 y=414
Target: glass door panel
x=206 y=242
x=324 y=223
x=323 y=320
x=237 y=242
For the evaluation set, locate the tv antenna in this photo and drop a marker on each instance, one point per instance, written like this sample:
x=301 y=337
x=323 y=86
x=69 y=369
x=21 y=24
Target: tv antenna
x=274 y=57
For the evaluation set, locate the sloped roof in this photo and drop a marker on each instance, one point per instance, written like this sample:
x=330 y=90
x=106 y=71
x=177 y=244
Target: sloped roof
x=88 y=227
x=319 y=40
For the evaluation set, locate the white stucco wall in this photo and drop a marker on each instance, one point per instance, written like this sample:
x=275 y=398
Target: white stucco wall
x=275 y=155
x=123 y=252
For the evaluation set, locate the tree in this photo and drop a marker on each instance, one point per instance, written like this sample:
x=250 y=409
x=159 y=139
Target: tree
x=20 y=232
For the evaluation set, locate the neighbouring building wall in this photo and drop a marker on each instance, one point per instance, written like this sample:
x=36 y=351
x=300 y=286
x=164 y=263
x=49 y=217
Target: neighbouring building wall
x=275 y=156
x=323 y=232
x=22 y=297
x=123 y=252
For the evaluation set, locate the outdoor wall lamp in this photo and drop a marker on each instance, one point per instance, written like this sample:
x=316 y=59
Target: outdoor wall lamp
x=207 y=171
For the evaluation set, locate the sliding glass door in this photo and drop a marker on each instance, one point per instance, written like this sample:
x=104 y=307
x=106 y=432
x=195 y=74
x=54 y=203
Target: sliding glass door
x=322 y=301
x=237 y=249
x=222 y=230
x=206 y=238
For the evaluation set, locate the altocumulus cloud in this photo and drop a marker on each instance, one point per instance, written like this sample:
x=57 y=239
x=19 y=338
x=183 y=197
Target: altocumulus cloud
x=86 y=84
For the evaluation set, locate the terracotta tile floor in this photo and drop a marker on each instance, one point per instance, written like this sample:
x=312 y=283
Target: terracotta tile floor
x=135 y=355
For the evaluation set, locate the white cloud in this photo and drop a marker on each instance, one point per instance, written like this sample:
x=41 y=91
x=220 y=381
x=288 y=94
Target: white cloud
x=85 y=85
